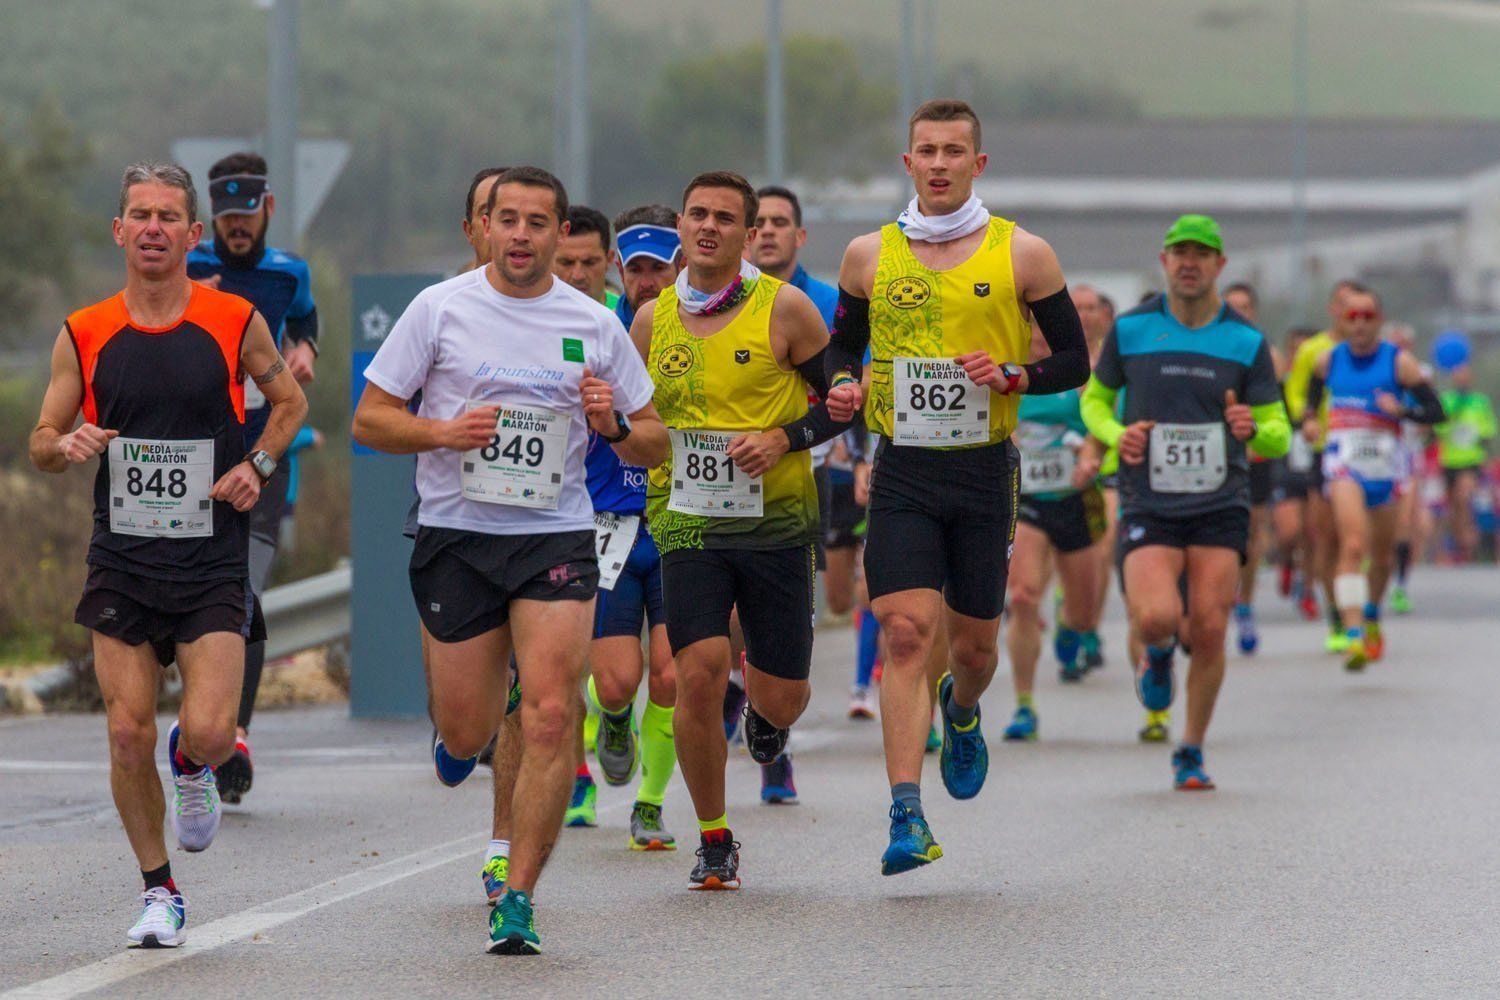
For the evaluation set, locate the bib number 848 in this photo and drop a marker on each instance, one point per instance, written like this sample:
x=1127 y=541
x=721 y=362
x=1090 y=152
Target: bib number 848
x=174 y=486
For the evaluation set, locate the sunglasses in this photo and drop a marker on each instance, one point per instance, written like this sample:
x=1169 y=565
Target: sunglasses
x=1357 y=314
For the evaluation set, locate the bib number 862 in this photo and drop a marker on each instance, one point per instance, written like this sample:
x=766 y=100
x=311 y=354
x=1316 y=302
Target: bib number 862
x=937 y=397
x=705 y=468
x=513 y=450
x=173 y=485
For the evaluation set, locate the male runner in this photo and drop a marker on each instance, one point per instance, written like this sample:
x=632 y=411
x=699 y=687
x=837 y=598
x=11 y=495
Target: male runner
x=586 y=254
x=278 y=284
x=943 y=298
x=630 y=595
x=1059 y=519
x=1463 y=447
x=779 y=236
x=1364 y=469
x=515 y=367
x=157 y=371
x=733 y=510
x=1411 y=531
x=1199 y=386
x=1096 y=312
x=1240 y=297
x=1289 y=511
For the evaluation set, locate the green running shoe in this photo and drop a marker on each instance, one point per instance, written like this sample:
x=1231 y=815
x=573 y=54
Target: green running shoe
x=494 y=873
x=934 y=740
x=1400 y=602
x=1337 y=643
x=581 y=810
x=512 y=926
x=647 y=833
x=1155 y=730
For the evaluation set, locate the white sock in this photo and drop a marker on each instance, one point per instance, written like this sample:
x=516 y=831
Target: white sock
x=498 y=849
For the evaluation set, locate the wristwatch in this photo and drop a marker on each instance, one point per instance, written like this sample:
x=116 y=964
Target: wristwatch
x=263 y=464
x=624 y=426
x=1012 y=373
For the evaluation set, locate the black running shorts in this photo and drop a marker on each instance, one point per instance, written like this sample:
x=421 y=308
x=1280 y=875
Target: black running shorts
x=1228 y=528
x=137 y=609
x=1071 y=522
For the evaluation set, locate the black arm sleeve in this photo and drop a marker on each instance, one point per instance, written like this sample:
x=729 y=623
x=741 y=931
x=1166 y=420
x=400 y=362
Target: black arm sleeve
x=303 y=328
x=1068 y=366
x=1426 y=408
x=1315 y=396
x=816 y=426
x=851 y=337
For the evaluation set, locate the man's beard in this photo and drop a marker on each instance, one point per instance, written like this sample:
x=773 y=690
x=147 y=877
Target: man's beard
x=249 y=258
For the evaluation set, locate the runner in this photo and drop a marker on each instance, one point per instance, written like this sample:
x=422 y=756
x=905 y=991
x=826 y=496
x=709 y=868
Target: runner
x=1410 y=532
x=1463 y=445
x=942 y=297
x=1060 y=518
x=1323 y=545
x=779 y=235
x=504 y=555
x=1096 y=311
x=1199 y=386
x=630 y=597
x=278 y=284
x=585 y=255
x=156 y=370
x=1290 y=479
x=1364 y=468
x=733 y=510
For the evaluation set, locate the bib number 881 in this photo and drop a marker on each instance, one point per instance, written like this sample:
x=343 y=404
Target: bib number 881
x=705 y=468
x=937 y=397
x=173 y=485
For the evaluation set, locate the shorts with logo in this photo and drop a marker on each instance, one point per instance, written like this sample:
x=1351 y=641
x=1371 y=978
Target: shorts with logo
x=636 y=598
x=1287 y=484
x=1227 y=528
x=1261 y=476
x=772 y=588
x=846 y=518
x=137 y=609
x=943 y=519
x=1071 y=522
x=464 y=581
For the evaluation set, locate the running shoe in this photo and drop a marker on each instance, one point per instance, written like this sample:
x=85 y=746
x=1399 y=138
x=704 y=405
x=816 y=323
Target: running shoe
x=195 y=801
x=513 y=926
x=911 y=844
x=1355 y=654
x=1336 y=643
x=1400 y=601
x=718 y=864
x=1022 y=725
x=861 y=705
x=581 y=809
x=965 y=759
x=1244 y=621
x=734 y=709
x=934 y=741
x=1093 y=651
x=1155 y=730
x=494 y=873
x=161 y=920
x=451 y=770
x=236 y=774
x=1154 y=682
x=1187 y=765
x=1066 y=644
x=1374 y=641
x=1072 y=673
x=776 y=785
x=646 y=830
x=1285 y=582
x=615 y=746
x=1309 y=606
x=764 y=741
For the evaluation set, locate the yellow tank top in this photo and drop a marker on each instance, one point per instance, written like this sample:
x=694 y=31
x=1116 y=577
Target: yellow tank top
x=916 y=312
x=729 y=381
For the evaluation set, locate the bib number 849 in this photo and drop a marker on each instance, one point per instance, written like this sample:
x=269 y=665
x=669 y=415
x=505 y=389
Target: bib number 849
x=534 y=447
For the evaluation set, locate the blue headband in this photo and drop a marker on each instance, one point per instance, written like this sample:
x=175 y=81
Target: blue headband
x=656 y=242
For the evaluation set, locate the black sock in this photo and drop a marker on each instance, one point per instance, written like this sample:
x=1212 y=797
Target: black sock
x=1403 y=562
x=160 y=877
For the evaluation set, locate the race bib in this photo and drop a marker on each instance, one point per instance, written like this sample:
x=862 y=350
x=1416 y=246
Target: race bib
x=1187 y=458
x=705 y=481
x=1047 y=460
x=1366 y=452
x=159 y=489
x=522 y=466
x=1299 y=457
x=937 y=405
x=614 y=536
x=1463 y=436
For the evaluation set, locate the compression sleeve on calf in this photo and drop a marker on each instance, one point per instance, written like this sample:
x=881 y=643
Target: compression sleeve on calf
x=816 y=426
x=1273 y=431
x=1427 y=408
x=1068 y=366
x=1098 y=406
x=851 y=337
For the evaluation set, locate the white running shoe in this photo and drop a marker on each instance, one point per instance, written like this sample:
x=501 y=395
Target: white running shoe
x=160 y=925
x=195 y=809
x=861 y=705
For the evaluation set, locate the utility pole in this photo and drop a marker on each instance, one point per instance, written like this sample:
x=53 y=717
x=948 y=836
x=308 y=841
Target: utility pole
x=775 y=96
x=576 y=169
x=281 y=121
x=1300 y=157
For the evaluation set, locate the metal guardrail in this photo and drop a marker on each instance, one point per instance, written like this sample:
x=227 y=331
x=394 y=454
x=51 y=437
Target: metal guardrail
x=307 y=613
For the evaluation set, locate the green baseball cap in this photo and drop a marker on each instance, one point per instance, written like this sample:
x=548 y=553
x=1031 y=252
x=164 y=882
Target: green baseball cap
x=1195 y=229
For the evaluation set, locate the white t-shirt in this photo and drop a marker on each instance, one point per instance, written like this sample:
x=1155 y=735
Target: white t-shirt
x=462 y=340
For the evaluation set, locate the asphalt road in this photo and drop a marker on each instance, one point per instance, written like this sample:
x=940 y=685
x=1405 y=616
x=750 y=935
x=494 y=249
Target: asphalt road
x=1350 y=850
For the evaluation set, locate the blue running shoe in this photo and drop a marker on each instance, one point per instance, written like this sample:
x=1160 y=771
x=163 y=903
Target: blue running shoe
x=1154 y=683
x=1244 y=621
x=1187 y=762
x=1093 y=652
x=1066 y=645
x=965 y=760
x=776 y=785
x=912 y=845
x=451 y=770
x=1022 y=725
x=583 y=807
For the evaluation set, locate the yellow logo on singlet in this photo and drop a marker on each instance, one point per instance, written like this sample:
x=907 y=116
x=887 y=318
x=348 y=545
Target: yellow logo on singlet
x=908 y=293
x=675 y=361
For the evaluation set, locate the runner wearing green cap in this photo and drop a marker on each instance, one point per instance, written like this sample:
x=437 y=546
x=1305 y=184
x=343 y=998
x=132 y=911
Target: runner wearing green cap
x=1199 y=387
